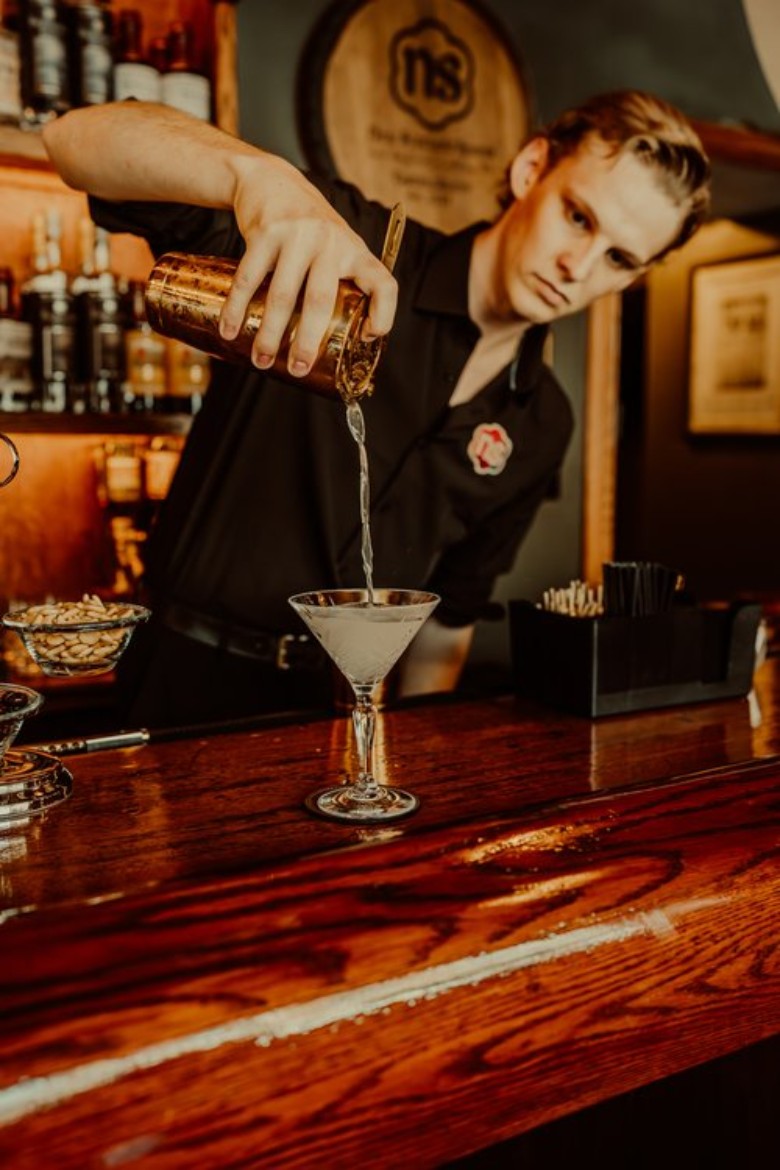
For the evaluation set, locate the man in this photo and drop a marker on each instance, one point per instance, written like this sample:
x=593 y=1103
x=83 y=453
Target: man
x=466 y=427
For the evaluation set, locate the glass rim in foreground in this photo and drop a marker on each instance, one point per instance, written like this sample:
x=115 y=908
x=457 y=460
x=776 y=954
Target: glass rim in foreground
x=325 y=598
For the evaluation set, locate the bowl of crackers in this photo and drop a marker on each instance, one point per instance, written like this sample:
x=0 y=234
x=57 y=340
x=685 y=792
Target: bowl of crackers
x=69 y=639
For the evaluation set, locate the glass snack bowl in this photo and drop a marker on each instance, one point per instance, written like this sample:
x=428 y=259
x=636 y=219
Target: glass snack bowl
x=31 y=781
x=16 y=703
x=70 y=639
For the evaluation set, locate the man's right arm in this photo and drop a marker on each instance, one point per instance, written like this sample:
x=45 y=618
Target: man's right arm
x=141 y=151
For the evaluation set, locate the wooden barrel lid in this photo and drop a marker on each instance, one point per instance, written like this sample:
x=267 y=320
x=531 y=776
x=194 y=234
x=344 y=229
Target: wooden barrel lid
x=421 y=101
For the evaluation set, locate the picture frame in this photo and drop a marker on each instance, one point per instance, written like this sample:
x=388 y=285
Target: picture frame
x=734 y=376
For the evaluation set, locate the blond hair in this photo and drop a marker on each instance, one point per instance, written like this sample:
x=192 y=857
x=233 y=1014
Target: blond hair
x=656 y=133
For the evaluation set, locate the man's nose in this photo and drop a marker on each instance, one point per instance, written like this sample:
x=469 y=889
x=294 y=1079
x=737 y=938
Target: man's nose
x=577 y=260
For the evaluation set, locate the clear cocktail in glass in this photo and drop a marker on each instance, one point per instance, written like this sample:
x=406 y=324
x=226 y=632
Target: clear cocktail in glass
x=364 y=639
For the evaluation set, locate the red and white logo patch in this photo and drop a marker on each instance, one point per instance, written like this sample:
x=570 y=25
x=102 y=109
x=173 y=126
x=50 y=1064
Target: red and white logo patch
x=489 y=449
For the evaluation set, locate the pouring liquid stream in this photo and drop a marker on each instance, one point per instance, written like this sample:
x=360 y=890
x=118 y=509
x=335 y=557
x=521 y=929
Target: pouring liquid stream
x=357 y=428
x=355 y=421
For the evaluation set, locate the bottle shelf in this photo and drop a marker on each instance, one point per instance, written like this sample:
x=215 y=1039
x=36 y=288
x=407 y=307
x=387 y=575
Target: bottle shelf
x=94 y=424
x=23 y=148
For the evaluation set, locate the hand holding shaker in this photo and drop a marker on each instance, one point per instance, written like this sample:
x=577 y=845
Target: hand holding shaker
x=184 y=299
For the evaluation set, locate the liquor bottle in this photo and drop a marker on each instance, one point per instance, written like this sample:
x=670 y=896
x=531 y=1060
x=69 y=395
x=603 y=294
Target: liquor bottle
x=123 y=470
x=83 y=282
x=100 y=361
x=183 y=84
x=90 y=57
x=158 y=57
x=146 y=373
x=44 y=62
x=16 y=387
x=161 y=458
x=134 y=74
x=7 y=292
x=48 y=306
x=124 y=506
x=189 y=370
x=10 y=69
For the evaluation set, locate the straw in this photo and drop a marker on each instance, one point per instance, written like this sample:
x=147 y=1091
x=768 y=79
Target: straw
x=628 y=589
x=577 y=599
x=638 y=588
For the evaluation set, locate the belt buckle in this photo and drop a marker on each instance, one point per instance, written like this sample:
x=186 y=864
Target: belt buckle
x=285 y=648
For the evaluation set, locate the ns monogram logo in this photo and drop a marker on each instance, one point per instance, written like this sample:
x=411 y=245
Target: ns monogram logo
x=431 y=74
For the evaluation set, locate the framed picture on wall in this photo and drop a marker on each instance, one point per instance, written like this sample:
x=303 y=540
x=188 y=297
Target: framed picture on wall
x=734 y=385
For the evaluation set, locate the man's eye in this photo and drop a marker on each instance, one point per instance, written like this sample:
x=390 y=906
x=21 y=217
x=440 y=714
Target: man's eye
x=619 y=259
x=577 y=217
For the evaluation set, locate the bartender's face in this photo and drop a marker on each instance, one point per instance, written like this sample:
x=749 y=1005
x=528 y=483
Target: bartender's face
x=589 y=225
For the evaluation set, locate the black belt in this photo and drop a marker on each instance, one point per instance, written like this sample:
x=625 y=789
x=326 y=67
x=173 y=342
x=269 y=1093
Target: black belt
x=283 y=651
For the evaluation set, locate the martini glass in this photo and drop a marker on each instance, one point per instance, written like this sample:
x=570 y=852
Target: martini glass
x=365 y=638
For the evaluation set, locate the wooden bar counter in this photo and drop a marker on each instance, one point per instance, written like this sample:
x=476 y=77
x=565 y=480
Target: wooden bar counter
x=196 y=972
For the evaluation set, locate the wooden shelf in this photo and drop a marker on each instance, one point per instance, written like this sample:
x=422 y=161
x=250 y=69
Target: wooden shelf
x=54 y=538
x=23 y=148
x=40 y=423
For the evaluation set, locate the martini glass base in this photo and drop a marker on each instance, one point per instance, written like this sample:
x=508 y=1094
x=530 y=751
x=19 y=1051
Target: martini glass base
x=31 y=782
x=343 y=802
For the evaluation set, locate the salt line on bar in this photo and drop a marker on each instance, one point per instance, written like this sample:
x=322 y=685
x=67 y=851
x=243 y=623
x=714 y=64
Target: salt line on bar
x=32 y=1094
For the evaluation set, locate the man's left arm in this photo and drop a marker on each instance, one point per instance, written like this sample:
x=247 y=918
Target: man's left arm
x=465 y=577
x=435 y=659
x=466 y=572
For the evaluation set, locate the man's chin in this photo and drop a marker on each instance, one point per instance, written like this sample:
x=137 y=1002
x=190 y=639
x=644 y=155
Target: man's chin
x=535 y=312
x=534 y=309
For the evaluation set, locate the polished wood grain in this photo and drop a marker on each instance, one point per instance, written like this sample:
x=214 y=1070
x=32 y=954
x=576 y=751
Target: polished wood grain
x=225 y=67
x=740 y=145
x=196 y=972
x=600 y=435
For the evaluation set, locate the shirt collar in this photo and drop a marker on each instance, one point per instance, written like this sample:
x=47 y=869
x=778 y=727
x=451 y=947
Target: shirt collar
x=444 y=289
x=528 y=362
x=444 y=286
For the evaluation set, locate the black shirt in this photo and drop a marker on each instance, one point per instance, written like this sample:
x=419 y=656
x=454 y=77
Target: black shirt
x=265 y=503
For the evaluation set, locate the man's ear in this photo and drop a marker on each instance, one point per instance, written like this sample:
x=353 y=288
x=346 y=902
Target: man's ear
x=528 y=166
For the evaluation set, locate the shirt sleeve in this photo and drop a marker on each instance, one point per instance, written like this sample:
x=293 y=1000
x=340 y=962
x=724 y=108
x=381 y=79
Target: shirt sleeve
x=171 y=227
x=203 y=231
x=466 y=573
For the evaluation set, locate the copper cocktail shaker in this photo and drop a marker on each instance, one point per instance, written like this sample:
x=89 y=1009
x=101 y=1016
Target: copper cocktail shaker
x=184 y=299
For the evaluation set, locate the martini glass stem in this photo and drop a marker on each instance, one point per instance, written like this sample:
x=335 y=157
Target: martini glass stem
x=364 y=722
